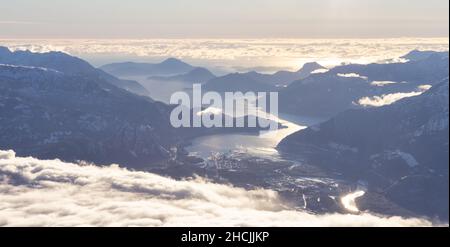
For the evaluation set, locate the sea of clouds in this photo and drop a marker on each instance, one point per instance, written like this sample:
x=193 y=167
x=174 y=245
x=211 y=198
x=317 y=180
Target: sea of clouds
x=264 y=55
x=53 y=193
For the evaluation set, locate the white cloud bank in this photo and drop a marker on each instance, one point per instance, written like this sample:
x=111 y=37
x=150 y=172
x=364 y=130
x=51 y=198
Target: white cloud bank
x=53 y=193
x=352 y=75
x=230 y=53
x=387 y=99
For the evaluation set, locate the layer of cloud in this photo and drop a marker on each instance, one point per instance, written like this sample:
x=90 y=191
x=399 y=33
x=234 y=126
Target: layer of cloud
x=239 y=53
x=387 y=99
x=53 y=193
x=382 y=83
x=353 y=75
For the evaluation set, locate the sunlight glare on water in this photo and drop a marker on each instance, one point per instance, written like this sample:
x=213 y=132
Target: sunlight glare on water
x=348 y=201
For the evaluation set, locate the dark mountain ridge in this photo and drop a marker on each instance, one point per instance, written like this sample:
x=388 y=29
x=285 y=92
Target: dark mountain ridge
x=168 y=67
x=67 y=64
x=400 y=149
x=327 y=94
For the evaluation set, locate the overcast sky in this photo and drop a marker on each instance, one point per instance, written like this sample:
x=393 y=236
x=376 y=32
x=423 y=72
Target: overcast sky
x=223 y=19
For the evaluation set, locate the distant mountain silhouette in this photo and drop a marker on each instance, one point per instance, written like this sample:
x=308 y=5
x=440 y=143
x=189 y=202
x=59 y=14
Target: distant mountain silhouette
x=197 y=75
x=257 y=82
x=417 y=55
x=67 y=64
x=400 y=149
x=49 y=114
x=168 y=67
x=283 y=78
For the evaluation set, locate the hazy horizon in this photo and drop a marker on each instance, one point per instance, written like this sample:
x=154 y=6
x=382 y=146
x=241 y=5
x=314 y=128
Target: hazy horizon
x=234 y=55
x=230 y=19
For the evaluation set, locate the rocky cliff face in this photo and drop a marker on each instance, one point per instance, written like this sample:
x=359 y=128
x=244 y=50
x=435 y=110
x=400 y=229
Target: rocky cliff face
x=168 y=67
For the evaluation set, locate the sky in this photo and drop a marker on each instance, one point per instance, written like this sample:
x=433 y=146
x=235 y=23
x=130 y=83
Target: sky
x=223 y=19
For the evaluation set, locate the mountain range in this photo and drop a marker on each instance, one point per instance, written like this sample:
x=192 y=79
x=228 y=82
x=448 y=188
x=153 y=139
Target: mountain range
x=50 y=114
x=417 y=55
x=327 y=94
x=257 y=82
x=53 y=105
x=401 y=150
x=168 y=67
x=176 y=70
x=425 y=67
x=197 y=75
